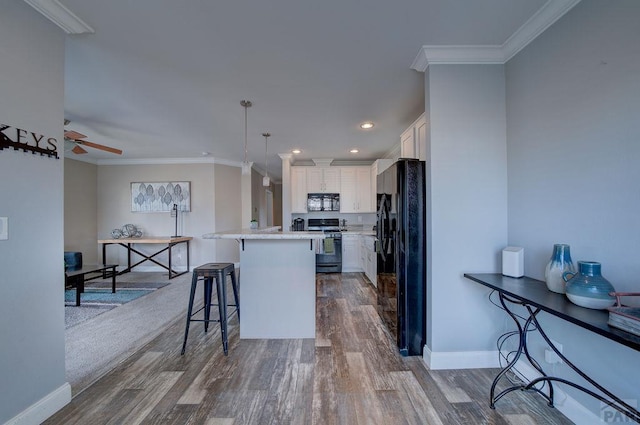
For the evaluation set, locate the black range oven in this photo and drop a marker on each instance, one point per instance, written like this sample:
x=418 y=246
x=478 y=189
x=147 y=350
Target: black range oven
x=329 y=250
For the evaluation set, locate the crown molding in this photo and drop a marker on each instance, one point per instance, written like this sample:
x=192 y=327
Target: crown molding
x=80 y=158
x=61 y=16
x=549 y=13
x=433 y=55
x=174 y=161
x=546 y=16
x=165 y=161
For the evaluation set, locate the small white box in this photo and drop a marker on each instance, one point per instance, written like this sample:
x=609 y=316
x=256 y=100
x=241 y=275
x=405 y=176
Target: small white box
x=4 y=228
x=513 y=261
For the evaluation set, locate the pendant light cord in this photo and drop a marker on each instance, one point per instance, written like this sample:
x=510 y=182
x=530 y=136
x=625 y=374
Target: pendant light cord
x=266 y=136
x=246 y=104
x=245 y=134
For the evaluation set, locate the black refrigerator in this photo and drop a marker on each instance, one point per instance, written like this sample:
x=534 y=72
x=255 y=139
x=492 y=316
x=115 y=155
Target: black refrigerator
x=401 y=245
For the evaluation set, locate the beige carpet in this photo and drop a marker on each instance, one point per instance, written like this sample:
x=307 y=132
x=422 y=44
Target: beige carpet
x=97 y=345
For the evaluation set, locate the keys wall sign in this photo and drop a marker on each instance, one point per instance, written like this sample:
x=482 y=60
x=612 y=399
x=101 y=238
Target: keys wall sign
x=27 y=141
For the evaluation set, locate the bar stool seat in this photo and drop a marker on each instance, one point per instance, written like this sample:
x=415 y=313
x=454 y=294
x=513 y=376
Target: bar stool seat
x=206 y=273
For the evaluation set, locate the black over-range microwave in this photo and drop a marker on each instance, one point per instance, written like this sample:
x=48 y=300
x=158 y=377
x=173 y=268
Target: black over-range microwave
x=323 y=202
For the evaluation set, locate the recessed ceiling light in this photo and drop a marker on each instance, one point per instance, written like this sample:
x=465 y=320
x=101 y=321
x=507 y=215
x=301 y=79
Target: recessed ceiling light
x=366 y=125
x=296 y=151
x=354 y=151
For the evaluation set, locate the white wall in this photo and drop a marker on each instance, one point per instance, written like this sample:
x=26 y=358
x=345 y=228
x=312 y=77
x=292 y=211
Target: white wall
x=32 y=371
x=467 y=211
x=81 y=209
x=573 y=99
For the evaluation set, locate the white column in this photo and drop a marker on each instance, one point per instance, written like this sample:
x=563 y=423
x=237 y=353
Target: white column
x=286 y=189
x=245 y=192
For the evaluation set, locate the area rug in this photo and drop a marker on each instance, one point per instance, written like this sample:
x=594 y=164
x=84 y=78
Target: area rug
x=97 y=298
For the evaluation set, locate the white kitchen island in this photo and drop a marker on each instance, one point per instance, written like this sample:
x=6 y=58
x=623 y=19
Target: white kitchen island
x=277 y=282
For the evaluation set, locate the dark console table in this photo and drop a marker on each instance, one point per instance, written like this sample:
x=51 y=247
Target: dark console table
x=534 y=296
x=166 y=244
x=77 y=276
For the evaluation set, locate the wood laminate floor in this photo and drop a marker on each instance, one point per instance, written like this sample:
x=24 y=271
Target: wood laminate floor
x=350 y=374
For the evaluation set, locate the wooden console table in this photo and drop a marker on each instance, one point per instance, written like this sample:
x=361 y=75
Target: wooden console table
x=534 y=296
x=169 y=241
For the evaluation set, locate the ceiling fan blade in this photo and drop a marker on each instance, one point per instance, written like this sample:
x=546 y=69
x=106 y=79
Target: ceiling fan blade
x=78 y=150
x=101 y=147
x=73 y=135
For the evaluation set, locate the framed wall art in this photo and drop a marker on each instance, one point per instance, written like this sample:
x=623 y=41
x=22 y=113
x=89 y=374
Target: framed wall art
x=160 y=196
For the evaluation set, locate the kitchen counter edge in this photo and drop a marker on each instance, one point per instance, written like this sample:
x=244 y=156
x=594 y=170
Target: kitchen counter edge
x=359 y=232
x=263 y=233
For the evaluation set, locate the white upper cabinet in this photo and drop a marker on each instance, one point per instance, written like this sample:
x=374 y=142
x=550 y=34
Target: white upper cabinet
x=356 y=194
x=413 y=141
x=407 y=144
x=356 y=186
x=299 y=189
x=323 y=180
x=348 y=190
x=421 y=138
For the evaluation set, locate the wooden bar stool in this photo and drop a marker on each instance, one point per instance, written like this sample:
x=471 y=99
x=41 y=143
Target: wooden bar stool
x=206 y=273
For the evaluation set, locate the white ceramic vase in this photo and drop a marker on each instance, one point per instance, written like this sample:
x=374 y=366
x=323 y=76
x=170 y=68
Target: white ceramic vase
x=559 y=264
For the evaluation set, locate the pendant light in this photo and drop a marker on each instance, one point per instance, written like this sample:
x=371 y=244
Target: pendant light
x=265 y=180
x=246 y=166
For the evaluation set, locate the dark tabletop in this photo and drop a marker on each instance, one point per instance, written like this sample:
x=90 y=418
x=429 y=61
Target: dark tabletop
x=534 y=292
x=88 y=268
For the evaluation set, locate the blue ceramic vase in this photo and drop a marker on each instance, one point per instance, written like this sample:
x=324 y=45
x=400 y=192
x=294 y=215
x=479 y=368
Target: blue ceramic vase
x=588 y=288
x=559 y=264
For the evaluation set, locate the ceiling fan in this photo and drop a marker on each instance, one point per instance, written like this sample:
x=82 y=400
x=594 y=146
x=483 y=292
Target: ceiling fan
x=77 y=139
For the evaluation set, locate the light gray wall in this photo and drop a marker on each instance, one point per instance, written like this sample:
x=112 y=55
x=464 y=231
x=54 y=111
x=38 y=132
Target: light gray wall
x=228 y=204
x=277 y=205
x=31 y=189
x=114 y=210
x=428 y=209
x=258 y=202
x=81 y=209
x=573 y=99
x=468 y=202
x=259 y=199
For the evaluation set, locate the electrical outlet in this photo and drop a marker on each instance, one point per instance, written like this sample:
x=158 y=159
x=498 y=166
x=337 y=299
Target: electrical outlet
x=4 y=228
x=550 y=356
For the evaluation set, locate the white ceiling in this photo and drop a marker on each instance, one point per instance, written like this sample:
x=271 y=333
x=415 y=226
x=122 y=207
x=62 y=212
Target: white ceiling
x=164 y=78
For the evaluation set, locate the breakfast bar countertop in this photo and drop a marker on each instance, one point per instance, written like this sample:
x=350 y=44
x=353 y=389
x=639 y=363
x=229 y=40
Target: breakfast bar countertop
x=263 y=233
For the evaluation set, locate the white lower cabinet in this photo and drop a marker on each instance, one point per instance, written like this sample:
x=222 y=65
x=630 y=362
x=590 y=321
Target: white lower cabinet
x=370 y=259
x=351 y=253
x=359 y=255
x=362 y=259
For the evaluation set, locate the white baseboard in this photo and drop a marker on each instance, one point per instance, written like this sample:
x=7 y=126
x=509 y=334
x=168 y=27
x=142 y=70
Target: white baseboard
x=149 y=269
x=146 y=269
x=43 y=408
x=460 y=359
x=565 y=404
